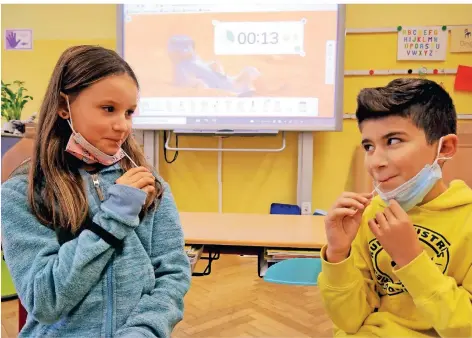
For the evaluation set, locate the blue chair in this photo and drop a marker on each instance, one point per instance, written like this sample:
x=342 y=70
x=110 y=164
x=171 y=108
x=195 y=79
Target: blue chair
x=285 y=209
x=294 y=271
x=319 y=212
x=291 y=209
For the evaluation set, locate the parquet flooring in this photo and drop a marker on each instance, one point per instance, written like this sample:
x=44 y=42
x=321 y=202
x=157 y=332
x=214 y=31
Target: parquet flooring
x=234 y=302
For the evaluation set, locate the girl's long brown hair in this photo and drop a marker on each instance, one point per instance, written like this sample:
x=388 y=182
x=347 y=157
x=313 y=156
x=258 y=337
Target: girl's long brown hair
x=56 y=191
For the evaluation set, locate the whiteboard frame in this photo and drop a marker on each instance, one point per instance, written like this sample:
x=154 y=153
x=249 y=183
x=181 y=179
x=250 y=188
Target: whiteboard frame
x=338 y=93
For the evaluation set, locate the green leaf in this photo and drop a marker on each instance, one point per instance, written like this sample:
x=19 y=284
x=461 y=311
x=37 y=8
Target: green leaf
x=22 y=104
x=5 y=109
x=19 y=94
x=9 y=92
x=7 y=114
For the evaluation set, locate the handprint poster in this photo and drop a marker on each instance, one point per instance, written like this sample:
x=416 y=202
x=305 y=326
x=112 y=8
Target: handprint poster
x=18 y=39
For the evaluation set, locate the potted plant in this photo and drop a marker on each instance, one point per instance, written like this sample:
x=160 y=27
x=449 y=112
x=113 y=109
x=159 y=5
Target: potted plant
x=13 y=103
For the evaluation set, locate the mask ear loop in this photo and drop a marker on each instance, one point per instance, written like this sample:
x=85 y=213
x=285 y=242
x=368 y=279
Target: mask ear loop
x=439 y=151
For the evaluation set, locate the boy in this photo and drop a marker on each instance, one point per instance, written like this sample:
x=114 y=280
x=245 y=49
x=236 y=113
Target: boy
x=400 y=264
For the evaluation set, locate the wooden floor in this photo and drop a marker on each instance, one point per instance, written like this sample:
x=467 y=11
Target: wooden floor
x=234 y=302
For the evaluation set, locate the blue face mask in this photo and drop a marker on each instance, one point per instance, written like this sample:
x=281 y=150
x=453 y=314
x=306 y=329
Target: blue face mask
x=413 y=191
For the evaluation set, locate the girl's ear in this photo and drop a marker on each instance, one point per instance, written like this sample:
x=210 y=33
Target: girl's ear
x=63 y=114
x=62 y=111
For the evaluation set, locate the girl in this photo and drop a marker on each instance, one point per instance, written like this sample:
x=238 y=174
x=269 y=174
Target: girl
x=92 y=239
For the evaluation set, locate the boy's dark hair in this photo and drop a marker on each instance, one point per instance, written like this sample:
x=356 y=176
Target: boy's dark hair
x=425 y=102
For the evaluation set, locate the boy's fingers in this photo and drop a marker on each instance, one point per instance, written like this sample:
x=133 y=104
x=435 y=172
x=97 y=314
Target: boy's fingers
x=381 y=221
x=389 y=215
x=345 y=202
x=357 y=197
x=367 y=195
x=374 y=227
x=343 y=212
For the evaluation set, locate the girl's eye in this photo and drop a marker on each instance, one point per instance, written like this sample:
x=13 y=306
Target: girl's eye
x=130 y=112
x=109 y=109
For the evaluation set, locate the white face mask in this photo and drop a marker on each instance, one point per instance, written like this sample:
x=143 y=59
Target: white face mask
x=413 y=191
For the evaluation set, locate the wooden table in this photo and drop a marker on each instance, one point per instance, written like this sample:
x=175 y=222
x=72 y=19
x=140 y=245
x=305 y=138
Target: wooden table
x=250 y=234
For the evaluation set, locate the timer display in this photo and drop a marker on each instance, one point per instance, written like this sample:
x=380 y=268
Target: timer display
x=259 y=38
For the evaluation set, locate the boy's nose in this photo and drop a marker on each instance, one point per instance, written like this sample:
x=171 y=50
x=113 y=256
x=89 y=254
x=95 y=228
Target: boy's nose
x=378 y=160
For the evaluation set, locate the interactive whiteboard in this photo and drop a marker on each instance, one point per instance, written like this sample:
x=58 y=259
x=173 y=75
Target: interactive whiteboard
x=236 y=67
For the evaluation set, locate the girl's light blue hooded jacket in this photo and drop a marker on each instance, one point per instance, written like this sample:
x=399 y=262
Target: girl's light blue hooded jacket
x=84 y=288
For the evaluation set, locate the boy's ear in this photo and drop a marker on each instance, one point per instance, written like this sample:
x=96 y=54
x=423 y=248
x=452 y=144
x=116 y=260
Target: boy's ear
x=449 y=146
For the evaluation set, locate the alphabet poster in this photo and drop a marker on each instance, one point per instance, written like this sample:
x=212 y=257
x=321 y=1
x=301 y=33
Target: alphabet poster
x=422 y=43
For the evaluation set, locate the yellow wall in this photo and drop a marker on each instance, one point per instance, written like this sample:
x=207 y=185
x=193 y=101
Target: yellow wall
x=251 y=181
x=55 y=27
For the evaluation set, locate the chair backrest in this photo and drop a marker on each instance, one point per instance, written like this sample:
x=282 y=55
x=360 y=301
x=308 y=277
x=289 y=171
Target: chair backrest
x=285 y=209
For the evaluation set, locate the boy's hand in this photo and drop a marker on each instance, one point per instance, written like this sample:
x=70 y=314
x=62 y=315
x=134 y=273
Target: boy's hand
x=394 y=230
x=342 y=223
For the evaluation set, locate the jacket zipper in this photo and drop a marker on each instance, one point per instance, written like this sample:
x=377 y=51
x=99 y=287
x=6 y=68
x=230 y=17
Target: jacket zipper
x=109 y=314
x=96 y=184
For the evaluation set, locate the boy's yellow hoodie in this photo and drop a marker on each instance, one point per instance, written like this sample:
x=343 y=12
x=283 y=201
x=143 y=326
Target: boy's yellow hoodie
x=366 y=296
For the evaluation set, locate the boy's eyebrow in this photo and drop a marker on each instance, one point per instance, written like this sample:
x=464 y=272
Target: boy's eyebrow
x=394 y=133
x=386 y=136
